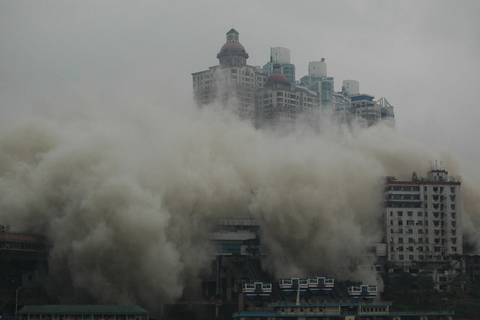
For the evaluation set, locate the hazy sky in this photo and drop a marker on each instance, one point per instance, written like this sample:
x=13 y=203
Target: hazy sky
x=423 y=56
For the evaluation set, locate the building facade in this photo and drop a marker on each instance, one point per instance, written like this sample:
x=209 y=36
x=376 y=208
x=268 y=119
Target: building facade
x=369 y=111
x=232 y=79
x=281 y=56
x=423 y=225
x=282 y=104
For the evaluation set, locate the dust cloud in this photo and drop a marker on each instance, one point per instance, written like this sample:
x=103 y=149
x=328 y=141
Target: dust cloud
x=127 y=195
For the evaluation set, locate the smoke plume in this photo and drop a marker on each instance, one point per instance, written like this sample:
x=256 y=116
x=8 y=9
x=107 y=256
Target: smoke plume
x=127 y=195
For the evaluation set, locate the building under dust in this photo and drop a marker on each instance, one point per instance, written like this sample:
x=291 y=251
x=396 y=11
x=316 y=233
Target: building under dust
x=272 y=96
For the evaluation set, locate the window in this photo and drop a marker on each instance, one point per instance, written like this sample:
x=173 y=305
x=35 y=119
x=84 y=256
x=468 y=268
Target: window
x=400 y=257
x=399 y=213
x=420 y=248
x=410 y=257
x=419 y=214
x=410 y=240
x=400 y=240
x=410 y=213
x=420 y=240
x=400 y=222
x=410 y=231
x=410 y=223
x=420 y=231
x=400 y=248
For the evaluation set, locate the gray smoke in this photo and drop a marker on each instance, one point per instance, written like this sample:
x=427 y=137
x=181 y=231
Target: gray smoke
x=127 y=195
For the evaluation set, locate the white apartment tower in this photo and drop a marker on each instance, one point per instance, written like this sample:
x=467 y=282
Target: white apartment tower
x=281 y=56
x=351 y=87
x=317 y=68
x=282 y=105
x=232 y=79
x=423 y=223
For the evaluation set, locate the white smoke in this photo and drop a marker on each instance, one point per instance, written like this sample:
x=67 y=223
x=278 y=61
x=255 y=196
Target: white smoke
x=127 y=195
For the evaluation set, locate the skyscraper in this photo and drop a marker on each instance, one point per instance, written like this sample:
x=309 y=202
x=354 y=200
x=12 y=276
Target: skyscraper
x=232 y=79
x=281 y=56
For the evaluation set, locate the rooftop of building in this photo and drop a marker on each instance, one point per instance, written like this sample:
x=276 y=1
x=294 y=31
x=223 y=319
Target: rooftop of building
x=424 y=182
x=82 y=309
x=21 y=237
x=277 y=77
x=233 y=46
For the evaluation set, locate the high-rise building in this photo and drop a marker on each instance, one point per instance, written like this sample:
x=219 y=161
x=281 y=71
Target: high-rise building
x=318 y=81
x=282 y=99
x=231 y=79
x=360 y=106
x=281 y=56
x=282 y=104
x=423 y=225
x=369 y=111
x=351 y=87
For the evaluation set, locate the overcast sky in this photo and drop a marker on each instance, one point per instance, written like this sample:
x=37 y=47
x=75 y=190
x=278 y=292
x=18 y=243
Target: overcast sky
x=422 y=56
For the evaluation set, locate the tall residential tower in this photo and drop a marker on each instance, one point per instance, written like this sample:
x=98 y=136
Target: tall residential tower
x=232 y=79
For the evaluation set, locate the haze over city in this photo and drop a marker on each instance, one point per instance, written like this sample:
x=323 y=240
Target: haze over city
x=103 y=149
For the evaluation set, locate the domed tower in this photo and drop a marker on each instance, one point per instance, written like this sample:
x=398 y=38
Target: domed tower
x=232 y=53
x=277 y=79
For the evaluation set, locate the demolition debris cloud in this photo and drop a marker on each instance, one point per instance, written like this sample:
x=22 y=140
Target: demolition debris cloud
x=127 y=196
